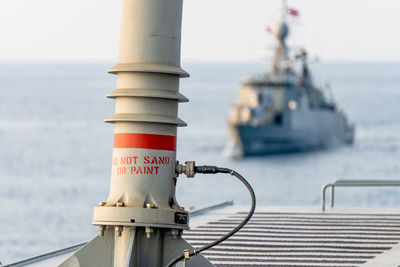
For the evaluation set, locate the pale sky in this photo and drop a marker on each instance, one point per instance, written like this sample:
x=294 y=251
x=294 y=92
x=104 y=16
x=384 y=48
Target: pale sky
x=213 y=30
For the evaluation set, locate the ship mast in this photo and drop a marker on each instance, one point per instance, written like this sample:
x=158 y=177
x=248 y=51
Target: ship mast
x=281 y=31
x=284 y=11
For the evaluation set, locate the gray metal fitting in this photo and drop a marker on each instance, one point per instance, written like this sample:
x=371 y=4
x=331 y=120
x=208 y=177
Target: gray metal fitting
x=187 y=169
x=178 y=169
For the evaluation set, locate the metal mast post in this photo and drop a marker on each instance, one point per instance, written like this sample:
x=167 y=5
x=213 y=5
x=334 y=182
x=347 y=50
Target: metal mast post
x=141 y=222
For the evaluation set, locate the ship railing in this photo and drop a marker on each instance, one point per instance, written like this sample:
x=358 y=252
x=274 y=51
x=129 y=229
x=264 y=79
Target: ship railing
x=352 y=183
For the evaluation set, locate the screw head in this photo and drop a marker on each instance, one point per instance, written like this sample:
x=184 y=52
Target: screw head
x=119 y=230
x=148 y=231
x=102 y=229
x=174 y=233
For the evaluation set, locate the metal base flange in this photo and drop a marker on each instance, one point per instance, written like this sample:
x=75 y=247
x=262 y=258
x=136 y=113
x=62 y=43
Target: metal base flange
x=140 y=217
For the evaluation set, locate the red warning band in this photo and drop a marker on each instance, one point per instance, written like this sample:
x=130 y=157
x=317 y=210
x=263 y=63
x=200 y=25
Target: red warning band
x=146 y=141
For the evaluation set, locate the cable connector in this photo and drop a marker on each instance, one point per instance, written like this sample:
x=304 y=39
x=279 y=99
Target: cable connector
x=188 y=169
x=206 y=169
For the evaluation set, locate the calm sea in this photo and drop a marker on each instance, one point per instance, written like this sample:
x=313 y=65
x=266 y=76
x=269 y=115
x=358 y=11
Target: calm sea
x=55 y=149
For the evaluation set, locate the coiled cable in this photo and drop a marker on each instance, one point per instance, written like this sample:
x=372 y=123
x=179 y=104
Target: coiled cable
x=214 y=170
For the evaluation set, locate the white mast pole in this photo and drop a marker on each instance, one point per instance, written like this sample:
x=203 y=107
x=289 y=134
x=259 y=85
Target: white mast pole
x=284 y=11
x=140 y=223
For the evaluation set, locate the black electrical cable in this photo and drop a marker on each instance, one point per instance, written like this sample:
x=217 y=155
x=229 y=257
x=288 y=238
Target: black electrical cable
x=214 y=170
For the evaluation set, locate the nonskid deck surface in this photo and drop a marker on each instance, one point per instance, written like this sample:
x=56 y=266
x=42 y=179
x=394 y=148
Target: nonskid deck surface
x=301 y=239
x=289 y=236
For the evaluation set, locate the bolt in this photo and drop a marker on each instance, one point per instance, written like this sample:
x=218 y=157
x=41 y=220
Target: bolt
x=119 y=229
x=120 y=204
x=186 y=254
x=148 y=231
x=101 y=204
x=149 y=206
x=102 y=229
x=174 y=233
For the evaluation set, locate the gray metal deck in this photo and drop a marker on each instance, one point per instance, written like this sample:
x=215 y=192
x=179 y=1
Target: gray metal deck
x=287 y=236
x=294 y=238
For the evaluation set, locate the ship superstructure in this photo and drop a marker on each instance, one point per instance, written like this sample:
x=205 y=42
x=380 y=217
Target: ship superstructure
x=283 y=110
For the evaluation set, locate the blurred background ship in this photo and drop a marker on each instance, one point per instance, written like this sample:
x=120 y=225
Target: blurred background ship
x=283 y=110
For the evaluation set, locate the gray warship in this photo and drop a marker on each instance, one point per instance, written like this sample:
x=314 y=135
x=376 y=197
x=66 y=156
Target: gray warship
x=283 y=111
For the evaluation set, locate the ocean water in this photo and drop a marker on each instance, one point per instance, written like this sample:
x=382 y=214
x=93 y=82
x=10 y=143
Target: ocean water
x=55 y=149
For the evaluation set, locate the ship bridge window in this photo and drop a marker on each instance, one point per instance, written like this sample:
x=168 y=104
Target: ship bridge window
x=278 y=119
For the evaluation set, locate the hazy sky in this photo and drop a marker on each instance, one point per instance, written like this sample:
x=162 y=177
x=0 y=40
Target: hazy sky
x=213 y=30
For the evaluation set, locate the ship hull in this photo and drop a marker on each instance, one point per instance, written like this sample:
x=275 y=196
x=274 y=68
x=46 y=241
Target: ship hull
x=302 y=131
x=272 y=140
